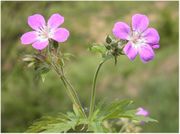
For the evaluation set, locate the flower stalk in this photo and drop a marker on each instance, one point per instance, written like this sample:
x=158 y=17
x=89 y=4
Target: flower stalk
x=93 y=92
x=58 y=68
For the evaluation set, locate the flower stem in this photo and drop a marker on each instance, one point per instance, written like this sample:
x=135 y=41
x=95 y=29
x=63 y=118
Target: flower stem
x=93 y=91
x=73 y=91
x=70 y=89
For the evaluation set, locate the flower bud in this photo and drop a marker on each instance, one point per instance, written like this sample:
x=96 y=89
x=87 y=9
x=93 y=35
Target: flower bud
x=108 y=39
x=108 y=46
x=55 y=44
x=114 y=44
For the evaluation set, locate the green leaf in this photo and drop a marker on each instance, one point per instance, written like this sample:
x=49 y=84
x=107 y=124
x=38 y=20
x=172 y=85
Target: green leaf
x=131 y=114
x=67 y=56
x=114 y=109
x=75 y=109
x=98 y=49
x=107 y=56
x=43 y=77
x=96 y=127
x=144 y=119
x=31 y=64
x=42 y=68
x=59 y=123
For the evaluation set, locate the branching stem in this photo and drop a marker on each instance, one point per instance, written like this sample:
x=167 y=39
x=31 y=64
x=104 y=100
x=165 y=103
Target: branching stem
x=70 y=89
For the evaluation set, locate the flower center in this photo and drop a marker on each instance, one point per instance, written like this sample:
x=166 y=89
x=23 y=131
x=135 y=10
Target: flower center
x=136 y=39
x=44 y=32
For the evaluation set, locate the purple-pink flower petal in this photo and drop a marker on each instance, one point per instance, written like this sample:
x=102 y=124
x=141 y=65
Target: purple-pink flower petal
x=140 y=22
x=130 y=51
x=36 y=21
x=28 y=38
x=142 y=111
x=151 y=36
x=146 y=53
x=61 y=35
x=121 y=30
x=155 y=46
x=55 y=20
x=39 y=45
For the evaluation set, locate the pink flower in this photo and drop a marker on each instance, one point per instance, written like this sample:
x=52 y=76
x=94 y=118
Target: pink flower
x=141 y=39
x=142 y=111
x=42 y=32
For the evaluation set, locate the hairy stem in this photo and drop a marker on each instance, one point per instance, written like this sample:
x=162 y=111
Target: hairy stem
x=93 y=91
x=78 y=103
x=70 y=89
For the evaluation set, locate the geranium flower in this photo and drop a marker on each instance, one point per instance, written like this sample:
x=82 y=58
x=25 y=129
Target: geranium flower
x=42 y=32
x=142 y=111
x=141 y=39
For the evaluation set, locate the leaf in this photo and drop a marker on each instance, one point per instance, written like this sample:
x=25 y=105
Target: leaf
x=59 y=123
x=42 y=68
x=96 y=127
x=107 y=56
x=98 y=49
x=41 y=124
x=61 y=127
x=31 y=64
x=67 y=56
x=28 y=58
x=144 y=119
x=113 y=110
x=77 y=111
x=43 y=77
x=132 y=115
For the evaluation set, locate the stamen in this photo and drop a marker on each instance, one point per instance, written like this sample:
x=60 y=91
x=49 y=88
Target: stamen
x=136 y=39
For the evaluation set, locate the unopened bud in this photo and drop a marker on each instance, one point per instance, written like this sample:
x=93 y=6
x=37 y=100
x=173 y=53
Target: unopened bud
x=108 y=39
x=108 y=47
x=114 y=45
x=55 y=44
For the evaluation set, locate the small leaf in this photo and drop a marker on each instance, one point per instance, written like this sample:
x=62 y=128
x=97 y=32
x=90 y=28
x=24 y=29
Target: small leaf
x=30 y=64
x=59 y=123
x=96 y=127
x=144 y=119
x=28 y=58
x=43 y=77
x=98 y=49
x=75 y=109
x=107 y=57
x=131 y=114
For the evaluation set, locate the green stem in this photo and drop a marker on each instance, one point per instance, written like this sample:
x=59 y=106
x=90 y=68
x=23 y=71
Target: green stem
x=70 y=89
x=93 y=92
x=65 y=85
x=78 y=103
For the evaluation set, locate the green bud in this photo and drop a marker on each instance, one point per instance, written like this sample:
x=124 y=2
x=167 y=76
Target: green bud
x=61 y=62
x=27 y=59
x=55 y=44
x=114 y=45
x=108 y=47
x=108 y=39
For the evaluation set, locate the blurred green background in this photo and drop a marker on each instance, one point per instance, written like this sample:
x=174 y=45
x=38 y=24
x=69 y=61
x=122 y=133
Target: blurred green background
x=153 y=86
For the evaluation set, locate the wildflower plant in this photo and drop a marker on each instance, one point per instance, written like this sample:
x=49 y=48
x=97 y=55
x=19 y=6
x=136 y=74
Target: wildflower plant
x=113 y=117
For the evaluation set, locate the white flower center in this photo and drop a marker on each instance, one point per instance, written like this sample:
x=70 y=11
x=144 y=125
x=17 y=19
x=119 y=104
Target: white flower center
x=136 y=39
x=44 y=33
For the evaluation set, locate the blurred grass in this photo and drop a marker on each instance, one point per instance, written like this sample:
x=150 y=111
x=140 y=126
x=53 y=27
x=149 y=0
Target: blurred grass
x=153 y=85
